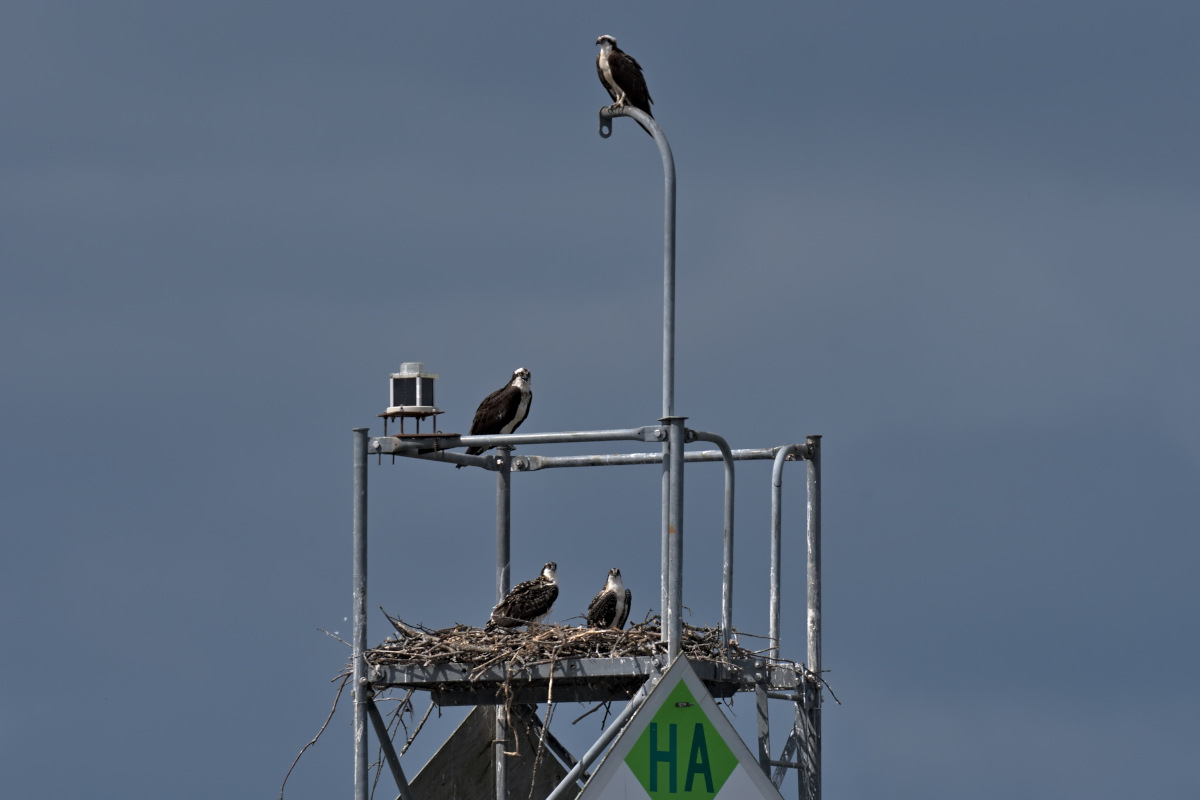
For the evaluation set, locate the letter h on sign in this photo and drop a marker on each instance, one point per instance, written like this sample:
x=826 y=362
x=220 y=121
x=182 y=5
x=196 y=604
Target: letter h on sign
x=667 y=755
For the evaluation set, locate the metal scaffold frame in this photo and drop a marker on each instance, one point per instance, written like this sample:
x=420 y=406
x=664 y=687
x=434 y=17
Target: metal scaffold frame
x=610 y=678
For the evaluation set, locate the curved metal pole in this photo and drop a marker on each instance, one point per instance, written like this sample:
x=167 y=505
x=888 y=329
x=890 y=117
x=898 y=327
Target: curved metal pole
x=776 y=540
x=358 y=643
x=668 y=374
x=727 y=560
x=664 y=150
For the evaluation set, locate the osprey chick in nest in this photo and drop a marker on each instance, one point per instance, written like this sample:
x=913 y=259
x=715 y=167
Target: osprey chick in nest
x=529 y=601
x=610 y=608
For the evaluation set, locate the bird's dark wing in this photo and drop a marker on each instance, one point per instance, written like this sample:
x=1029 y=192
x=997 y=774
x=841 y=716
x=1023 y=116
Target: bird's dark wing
x=627 y=72
x=526 y=601
x=494 y=410
x=601 y=610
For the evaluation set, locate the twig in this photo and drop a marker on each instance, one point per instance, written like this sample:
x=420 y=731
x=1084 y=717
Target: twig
x=593 y=710
x=345 y=680
x=333 y=636
x=420 y=725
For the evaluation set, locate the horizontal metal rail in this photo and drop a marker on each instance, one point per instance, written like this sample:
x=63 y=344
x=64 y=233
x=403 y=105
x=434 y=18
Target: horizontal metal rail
x=400 y=445
x=533 y=463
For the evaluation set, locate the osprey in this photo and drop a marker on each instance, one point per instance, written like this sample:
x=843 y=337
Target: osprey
x=610 y=608
x=622 y=76
x=529 y=601
x=503 y=410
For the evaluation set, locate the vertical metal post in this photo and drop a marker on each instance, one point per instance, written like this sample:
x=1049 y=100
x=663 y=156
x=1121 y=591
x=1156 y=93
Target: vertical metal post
x=503 y=520
x=727 y=551
x=503 y=568
x=777 y=542
x=671 y=529
x=814 y=595
x=668 y=370
x=665 y=541
x=359 y=639
x=500 y=765
x=668 y=160
x=674 y=621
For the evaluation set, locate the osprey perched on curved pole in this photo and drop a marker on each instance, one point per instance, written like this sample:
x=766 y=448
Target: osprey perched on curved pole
x=621 y=75
x=529 y=601
x=503 y=410
x=610 y=608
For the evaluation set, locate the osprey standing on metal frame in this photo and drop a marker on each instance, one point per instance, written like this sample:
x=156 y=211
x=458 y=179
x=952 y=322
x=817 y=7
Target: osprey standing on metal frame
x=621 y=75
x=503 y=410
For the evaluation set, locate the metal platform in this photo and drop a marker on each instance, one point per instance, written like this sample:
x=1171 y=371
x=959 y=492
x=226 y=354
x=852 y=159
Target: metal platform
x=574 y=680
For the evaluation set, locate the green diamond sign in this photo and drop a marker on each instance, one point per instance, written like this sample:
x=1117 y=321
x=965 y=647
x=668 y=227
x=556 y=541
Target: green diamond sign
x=679 y=745
x=680 y=753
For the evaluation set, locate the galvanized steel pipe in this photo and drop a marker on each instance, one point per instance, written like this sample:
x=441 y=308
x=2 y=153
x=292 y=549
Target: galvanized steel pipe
x=668 y=160
x=814 y=553
x=814 y=595
x=358 y=641
x=503 y=561
x=532 y=463
x=674 y=621
x=398 y=445
x=668 y=352
x=776 y=540
x=503 y=520
x=727 y=539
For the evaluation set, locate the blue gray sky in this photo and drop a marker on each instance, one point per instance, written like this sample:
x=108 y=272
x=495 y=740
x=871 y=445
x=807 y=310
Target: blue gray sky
x=959 y=240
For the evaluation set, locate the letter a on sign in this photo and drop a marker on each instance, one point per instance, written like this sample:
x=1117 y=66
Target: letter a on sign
x=679 y=745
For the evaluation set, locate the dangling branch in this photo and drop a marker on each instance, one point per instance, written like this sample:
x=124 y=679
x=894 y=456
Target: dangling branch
x=345 y=680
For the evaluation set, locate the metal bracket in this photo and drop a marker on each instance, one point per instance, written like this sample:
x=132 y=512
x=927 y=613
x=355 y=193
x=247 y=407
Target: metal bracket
x=605 y=123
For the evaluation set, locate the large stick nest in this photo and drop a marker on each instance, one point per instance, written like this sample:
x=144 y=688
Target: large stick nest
x=541 y=644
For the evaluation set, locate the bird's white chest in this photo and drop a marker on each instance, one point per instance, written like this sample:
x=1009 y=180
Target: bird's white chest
x=621 y=610
x=522 y=411
x=606 y=70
